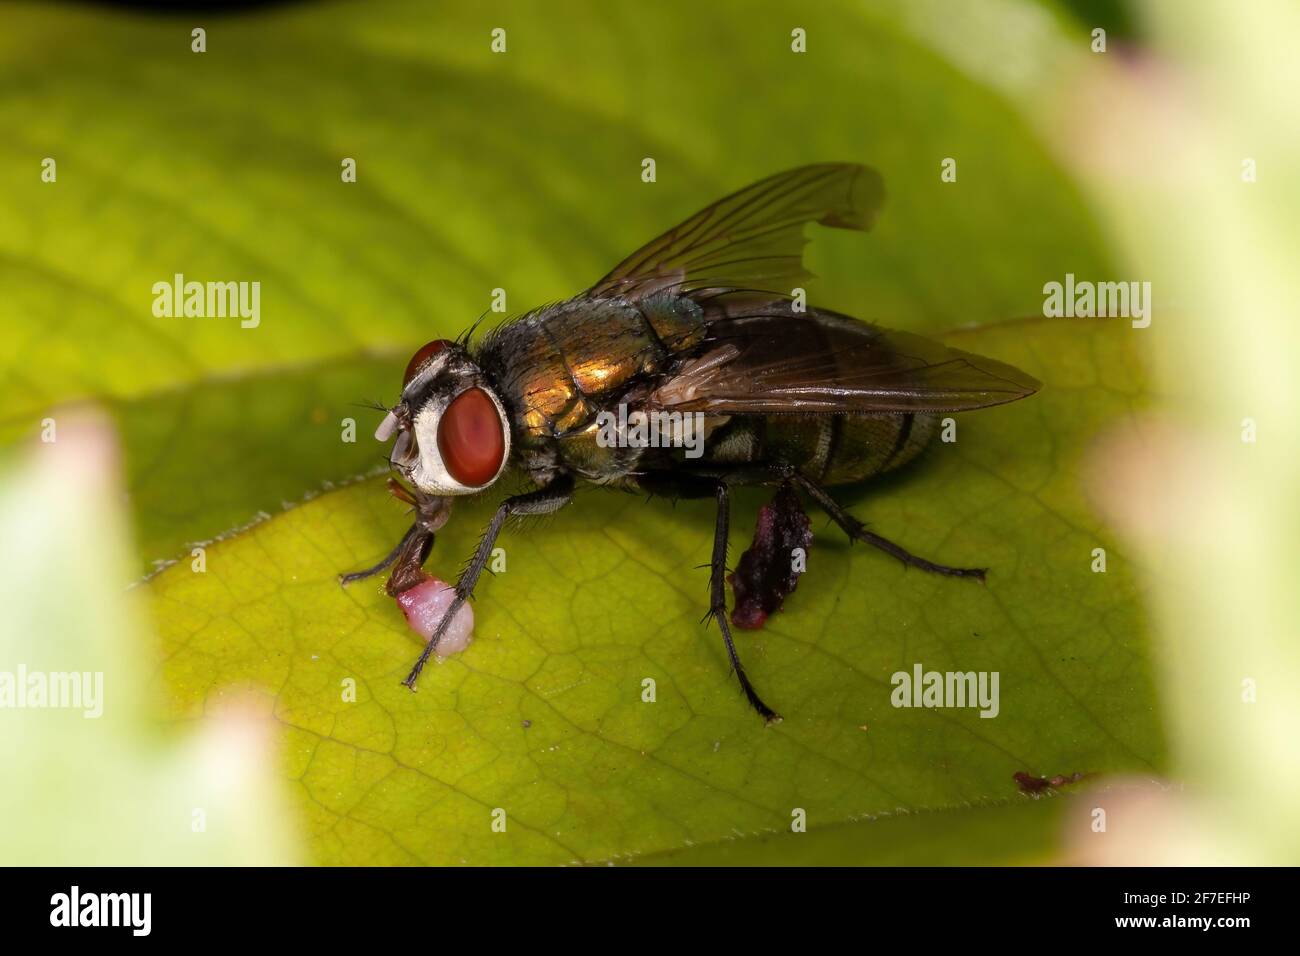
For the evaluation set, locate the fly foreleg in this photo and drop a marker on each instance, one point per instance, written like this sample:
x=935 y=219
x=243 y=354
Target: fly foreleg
x=346 y=579
x=431 y=513
x=540 y=502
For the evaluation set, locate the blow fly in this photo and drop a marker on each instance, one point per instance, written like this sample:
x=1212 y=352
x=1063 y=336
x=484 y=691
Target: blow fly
x=693 y=367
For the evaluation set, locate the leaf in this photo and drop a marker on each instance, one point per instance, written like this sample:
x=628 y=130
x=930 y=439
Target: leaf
x=1002 y=834
x=476 y=171
x=543 y=716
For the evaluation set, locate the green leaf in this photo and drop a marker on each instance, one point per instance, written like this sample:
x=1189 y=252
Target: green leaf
x=476 y=171
x=543 y=716
x=1014 y=833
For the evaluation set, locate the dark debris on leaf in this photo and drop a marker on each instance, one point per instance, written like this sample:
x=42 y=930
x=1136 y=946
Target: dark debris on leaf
x=1035 y=786
x=766 y=574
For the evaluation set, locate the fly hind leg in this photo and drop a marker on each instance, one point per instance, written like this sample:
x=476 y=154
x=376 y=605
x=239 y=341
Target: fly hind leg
x=858 y=532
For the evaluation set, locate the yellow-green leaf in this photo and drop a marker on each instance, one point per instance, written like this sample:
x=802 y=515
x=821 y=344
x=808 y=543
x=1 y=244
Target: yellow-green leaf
x=544 y=718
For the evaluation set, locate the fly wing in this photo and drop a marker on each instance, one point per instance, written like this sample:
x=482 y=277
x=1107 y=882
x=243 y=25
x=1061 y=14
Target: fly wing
x=771 y=360
x=752 y=239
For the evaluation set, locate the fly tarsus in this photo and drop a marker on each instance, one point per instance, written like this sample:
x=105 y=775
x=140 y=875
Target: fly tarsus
x=911 y=560
x=350 y=577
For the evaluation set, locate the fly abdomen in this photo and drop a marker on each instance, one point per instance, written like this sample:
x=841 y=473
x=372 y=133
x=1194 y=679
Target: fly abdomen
x=831 y=449
x=861 y=446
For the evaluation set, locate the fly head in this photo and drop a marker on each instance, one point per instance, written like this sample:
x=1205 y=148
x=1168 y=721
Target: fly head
x=452 y=431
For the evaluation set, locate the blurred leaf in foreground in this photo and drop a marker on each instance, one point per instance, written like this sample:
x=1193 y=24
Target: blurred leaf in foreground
x=88 y=782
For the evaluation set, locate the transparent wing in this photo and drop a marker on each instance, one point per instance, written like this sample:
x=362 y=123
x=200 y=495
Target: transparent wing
x=752 y=239
x=774 y=361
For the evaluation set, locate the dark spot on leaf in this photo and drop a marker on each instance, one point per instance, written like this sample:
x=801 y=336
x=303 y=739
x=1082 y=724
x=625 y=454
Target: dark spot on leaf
x=766 y=574
x=1036 y=785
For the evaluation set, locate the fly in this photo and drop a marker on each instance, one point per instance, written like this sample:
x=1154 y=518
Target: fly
x=698 y=326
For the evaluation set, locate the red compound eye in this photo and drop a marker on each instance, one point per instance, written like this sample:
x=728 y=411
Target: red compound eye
x=471 y=438
x=419 y=358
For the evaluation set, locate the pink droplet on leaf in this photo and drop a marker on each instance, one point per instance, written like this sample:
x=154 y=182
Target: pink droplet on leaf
x=426 y=604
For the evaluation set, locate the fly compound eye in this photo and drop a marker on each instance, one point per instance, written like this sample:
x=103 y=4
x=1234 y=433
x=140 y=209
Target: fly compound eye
x=471 y=438
x=421 y=358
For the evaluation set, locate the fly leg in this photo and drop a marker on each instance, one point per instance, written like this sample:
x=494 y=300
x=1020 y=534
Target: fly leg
x=855 y=529
x=679 y=484
x=540 y=502
x=858 y=532
x=346 y=579
x=431 y=513
x=718 y=602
